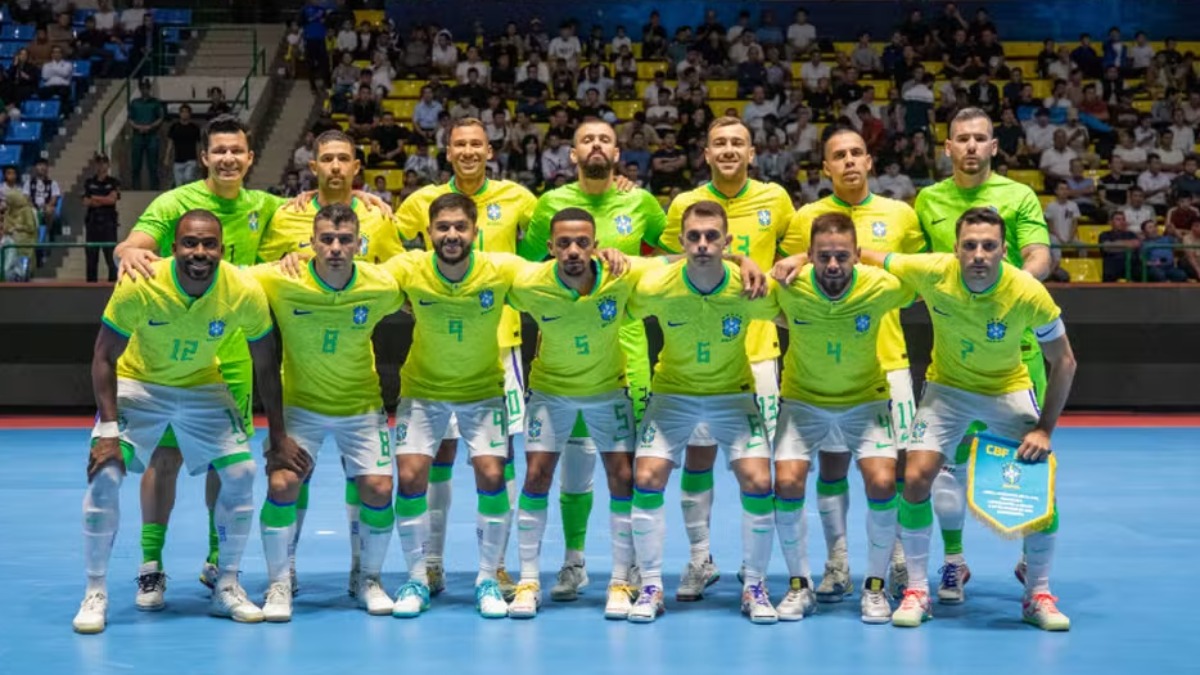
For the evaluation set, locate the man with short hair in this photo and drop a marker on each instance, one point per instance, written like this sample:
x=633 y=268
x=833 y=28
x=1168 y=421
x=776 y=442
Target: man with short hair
x=44 y=193
x=146 y=116
x=1119 y=246
x=183 y=146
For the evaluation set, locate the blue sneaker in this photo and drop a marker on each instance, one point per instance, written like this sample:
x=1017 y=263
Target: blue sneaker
x=411 y=600
x=490 y=601
x=955 y=576
x=649 y=605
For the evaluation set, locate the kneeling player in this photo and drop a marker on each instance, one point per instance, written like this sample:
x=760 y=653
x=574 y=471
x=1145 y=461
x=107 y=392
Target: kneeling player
x=155 y=364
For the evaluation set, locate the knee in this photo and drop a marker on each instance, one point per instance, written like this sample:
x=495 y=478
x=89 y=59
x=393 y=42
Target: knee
x=537 y=478
x=237 y=481
x=282 y=481
x=490 y=477
x=620 y=480
x=375 y=490
x=880 y=485
x=649 y=478
x=104 y=489
x=757 y=484
x=412 y=478
x=789 y=485
x=166 y=461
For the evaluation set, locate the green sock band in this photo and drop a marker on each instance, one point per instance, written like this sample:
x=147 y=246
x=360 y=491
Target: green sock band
x=696 y=481
x=837 y=487
x=899 y=487
x=302 y=498
x=214 y=542
x=788 y=505
x=407 y=507
x=759 y=505
x=885 y=505
x=510 y=472
x=153 y=537
x=378 y=518
x=275 y=514
x=352 y=497
x=440 y=473
x=619 y=505
x=576 y=509
x=647 y=501
x=493 y=504
x=530 y=502
x=952 y=541
x=962 y=453
x=915 y=516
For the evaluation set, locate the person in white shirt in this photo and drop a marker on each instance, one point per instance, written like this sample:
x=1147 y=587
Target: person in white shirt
x=556 y=159
x=895 y=184
x=56 y=76
x=106 y=17
x=1155 y=183
x=868 y=99
x=1058 y=97
x=347 y=38
x=739 y=51
x=801 y=35
x=1183 y=136
x=382 y=75
x=740 y=28
x=1062 y=219
x=1055 y=161
x=1060 y=68
x=1137 y=210
x=1169 y=156
x=542 y=69
x=620 y=40
x=131 y=17
x=473 y=61
x=1133 y=156
x=1141 y=54
x=566 y=47
x=758 y=108
x=422 y=163
x=814 y=185
x=653 y=92
x=813 y=70
x=1040 y=134
x=444 y=54
x=805 y=139
x=594 y=79
x=663 y=116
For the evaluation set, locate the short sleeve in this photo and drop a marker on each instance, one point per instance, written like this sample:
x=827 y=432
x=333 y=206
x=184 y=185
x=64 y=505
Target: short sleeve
x=913 y=239
x=766 y=308
x=400 y=266
x=785 y=212
x=1031 y=222
x=409 y=220
x=254 y=314
x=1043 y=310
x=533 y=246
x=125 y=309
x=158 y=221
x=894 y=293
x=526 y=204
x=669 y=239
x=508 y=265
x=913 y=270
x=654 y=218
x=795 y=239
x=641 y=301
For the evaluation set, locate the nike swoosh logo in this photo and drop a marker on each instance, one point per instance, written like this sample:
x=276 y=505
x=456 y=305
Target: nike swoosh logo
x=305 y=244
x=426 y=303
x=752 y=445
x=301 y=312
x=672 y=324
x=496 y=444
x=880 y=446
x=383 y=462
x=551 y=318
x=936 y=221
x=938 y=311
x=1042 y=335
x=798 y=322
x=158 y=323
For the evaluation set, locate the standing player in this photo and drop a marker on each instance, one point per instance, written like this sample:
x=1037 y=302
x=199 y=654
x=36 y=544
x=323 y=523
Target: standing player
x=702 y=383
x=630 y=221
x=155 y=364
x=971 y=145
x=980 y=306
x=759 y=214
x=331 y=388
x=504 y=209
x=836 y=400
x=884 y=225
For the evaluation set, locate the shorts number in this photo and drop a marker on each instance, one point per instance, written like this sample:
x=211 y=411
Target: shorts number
x=967 y=348
x=885 y=421
x=756 y=427
x=768 y=406
x=239 y=429
x=906 y=411
x=385 y=442
x=834 y=349
x=703 y=354
x=500 y=419
x=513 y=398
x=581 y=345
x=456 y=328
x=329 y=342
x=622 y=415
x=184 y=350
x=743 y=244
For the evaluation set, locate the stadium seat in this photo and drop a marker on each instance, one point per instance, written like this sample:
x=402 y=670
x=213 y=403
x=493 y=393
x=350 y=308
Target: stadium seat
x=642 y=85
x=1031 y=177
x=401 y=108
x=719 y=107
x=722 y=89
x=375 y=17
x=1087 y=270
x=1045 y=200
x=626 y=109
x=83 y=70
x=80 y=17
x=407 y=88
x=41 y=111
x=1090 y=234
x=646 y=69
x=9 y=49
x=27 y=135
x=10 y=155
x=1019 y=50
x=172 y=17
x=17 y=32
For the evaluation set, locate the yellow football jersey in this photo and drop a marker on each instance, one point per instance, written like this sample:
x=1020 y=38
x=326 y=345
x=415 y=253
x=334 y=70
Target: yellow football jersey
x=328 y=358
x=454 y=355
x=882 y=224
x=704 y=334
x=173 y=337
x=758 y=219
x=505 y=209
x=578 y=352
x=832 y=357
x=291 y=231
x=976 y=336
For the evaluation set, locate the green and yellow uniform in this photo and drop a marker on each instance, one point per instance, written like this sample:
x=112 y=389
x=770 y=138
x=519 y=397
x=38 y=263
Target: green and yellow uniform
x=291 y=232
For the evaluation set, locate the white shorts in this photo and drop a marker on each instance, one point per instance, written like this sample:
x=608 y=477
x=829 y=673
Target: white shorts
x=421 y=425
x=514 y=394
x=903 y=404
x=766 y=396
x=946 y=412
x=364 y=441
x=609 y=419
x=863 y=430
x=731 y=421
x=206 y=421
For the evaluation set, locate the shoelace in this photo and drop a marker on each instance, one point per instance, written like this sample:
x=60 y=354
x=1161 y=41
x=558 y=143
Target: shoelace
x=623 y=588
x=488 y=589
x=527 y=587
x=1045 y=601
x=758 y=596
x=278 y=591
x=93 y=600
x=410 y=588
x=148 y=583
x=949 y=574
x=912 y=599
x=648 y=595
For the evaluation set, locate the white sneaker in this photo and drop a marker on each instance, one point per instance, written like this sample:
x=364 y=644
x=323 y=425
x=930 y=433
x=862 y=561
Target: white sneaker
x=355 y=579
x=231 y=602
x=373 y=598
x=209 y=574
x=436 y=575
x=897 y=576
x=93 y=613
x=526 y=600
x=951 y=589
x=571 y=580
x=635 y=578
x=697 y=577
x=411 y=599
x=1041 y=610
x=152 y=583
x=508 y=587
x=292 y=579
x=756 y=604
x=835 y=583
x=649 y=605
x=799 y=601
x=913 y=610
x=875 y=607
x=620 y=600
x=277 y=605
x=489 y=601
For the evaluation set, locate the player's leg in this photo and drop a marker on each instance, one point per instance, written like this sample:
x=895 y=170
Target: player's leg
x=158 y=499
x=440 y=497
x=575 y=498
x=868 y=431
x=484 y=428
x=950 y=507
x=800 y=428
x=1035 y=363
x=696 y=500
x=610 y=419
x=514 y=402
x=833 y=501
x=365 y=444
x=903 y=407
x=420 y=426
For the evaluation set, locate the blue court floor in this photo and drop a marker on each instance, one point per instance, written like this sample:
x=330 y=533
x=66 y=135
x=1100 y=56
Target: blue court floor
x=1128 y=545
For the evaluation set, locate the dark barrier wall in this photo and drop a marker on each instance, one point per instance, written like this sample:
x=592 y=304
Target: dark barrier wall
x=1138 y=346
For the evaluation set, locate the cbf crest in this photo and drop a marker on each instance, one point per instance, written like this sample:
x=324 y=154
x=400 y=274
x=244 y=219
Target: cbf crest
x=535 y=428
x=624 y=225
x=996 y=330
x=879 y=229
x=363 y=243
x=493 y=212
x=360 y=315
x=608 y=308
x=401 y=433
x=731 y=326
x=862 y=323
x=216 y=328
x=764 y=217
x=252 y=221
x=487 y=299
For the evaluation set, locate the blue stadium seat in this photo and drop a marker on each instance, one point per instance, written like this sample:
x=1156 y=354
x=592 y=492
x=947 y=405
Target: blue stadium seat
x=9 y=49
x=41 y=111
x=173 y=17
x=17 y=32
x=81 y=16
x=10 y=155
x=83 y=70
x=27 y=135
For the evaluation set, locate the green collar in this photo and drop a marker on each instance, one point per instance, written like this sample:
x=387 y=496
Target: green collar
x=482 y=188
x=717 y=289
x=437 y=270
x=845 y=294
x=596 y=267
x=316 y=204
x=847 y=205
x=713 y=189
x=184 y=294
x=986 y=291
x=312 y=269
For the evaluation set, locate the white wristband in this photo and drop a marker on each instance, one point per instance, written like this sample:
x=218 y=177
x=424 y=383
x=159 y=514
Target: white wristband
x=108 y=430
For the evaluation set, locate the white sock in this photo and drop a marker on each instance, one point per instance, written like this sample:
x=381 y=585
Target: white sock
x=412 y=527
x=354 y=526
x=697 y=511
x=101 y=516
x=620 y=519
x=531 y=527
x=1039 y=555
x=915 y=529
x=234 y=516
x=649 y=523
x=881 y=536
x=277 y=544
x=439 y=493
x=300 y=513
x=376 y=527
x=833 y=500
x=793 y=536
x=949 y=495
x=758 y=535
x=510 y=487
x=491 y=520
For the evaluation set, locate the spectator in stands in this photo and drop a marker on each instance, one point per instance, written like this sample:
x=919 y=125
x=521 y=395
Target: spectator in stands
x=387 y=142
x=895 y=184
x=1144 y=134
x=380 y=190
x=100 y=195
x=57 y=74
x=1119 y=246
x=864 y=57
x=464 y=107
x=1082 y=191
x=62 y=34
x=820 y=101
x=183 y=146
x=918 y=34
x=473 y=90
x=871 y=128
x=291 y=187
x=45 y=195
x=1010 y=140
x=1137 y=210
x=367 y=42
x=444 y=55
x=711 y=24
x=769 y=34
x=1040 y=135
x=1092 y=104
x=919 y=161
x=801 y=35
x=814 y=185
x=751 y=73
x=345 y=79
x=1187 y=181
x=663 y=116
x=90 y=44
x=679 y=47
x=758 y=108
x=637 y=125
x=425 y=114
x=625 y=84
x=301 y=157
x=1115 y=187
x=417 y=58
x=953 y=96
x=1062 y=219
x=1058 y=97
x=1141 y=55
x=1112 y=87
x=566 y=46
x=39 y=49
x=804 y=138
x=1079 y=139
x=313 y=17
x=739 y=51
x=107 y=18
x=422 y=163
x=668 y=166
x=1155 y=183
x=636 y=151
x=772 y=160
x=132 y=16
x=146 y=117
x=1190 y=262
x=594 y=79
x=1085 y=58
x=560 y=123
x=956 y=59
x=217 y=105
x=620 y=41
x=482 y=69
x=1049 y=54
x=556 y=159
x=654 y=38
x=770 y=128
x=713 y=54
x=1012 y=89
x=1182 y=214
x=364 y=110
x=526 y=166
x=12 y=180
x=1170 y=156
x=985 y=95
x=346 y=42
x=382 y=74
x=1158 y=252
x=1132 y=156
x=19 y=222
x=1183 y=135
x=814 y=70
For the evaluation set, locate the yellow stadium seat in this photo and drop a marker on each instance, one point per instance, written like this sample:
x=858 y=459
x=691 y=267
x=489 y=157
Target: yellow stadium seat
x=375 y=17
x=646 y=69
x=663 y=200
x=881 y=88
x=1017 y=50
x=1045 y=199
x=940 y=130
x=1084 y=270
x=642 y=85
x=1030 y=177
x=932 y=66
x=719 y=107
x=636 y=48
x=393 y=178
x=1090 y=234
x=722 y=89
x=1041 y=88
x=542 y=128
x=361 y=63
x=1143 y=105
x=407 y=88
x=401 y=108
x=626 y=109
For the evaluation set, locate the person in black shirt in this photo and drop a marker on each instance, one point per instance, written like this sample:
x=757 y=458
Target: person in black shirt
x=387 y=142
x=472 y=89
x=217 y=104
x=1115 y=187
x=667 y=166
x=1116 y=244
x=917 y=33
x=324 y=123
x=100 y=195
x=363 y=112
x=504 y=75
x=183 y=143
x=1010 y=140
x=654 y=38
x=850 y=89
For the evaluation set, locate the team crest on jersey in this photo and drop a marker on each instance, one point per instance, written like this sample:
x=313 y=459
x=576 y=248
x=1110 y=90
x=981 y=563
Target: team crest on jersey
x=608 y=309
x=401 y=433
x=216 y=328
x=360 y=315
x=1011 y=473
x=493 y=211
x=252 y=221
x=996 y=329
x=648 y=434
x=879 y=228
x=764 y=217
x=487 y=299
x=122 y=421
x=624 y=225
x=918 y=431
x=862 y=323
x=363 y=243
x=731 y=326
x=535 y=428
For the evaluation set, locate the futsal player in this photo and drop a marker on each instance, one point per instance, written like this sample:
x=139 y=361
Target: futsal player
x=836 y=394
x=504 y=209
x=980 y=306
x=631 y=221
x=882 y=224
x=155 y=363
x=971 y=146
x=702 y=385
x=326 y=318
x=758 y=216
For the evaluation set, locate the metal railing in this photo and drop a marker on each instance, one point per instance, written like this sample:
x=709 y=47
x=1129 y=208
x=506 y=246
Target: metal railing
x=1140 y=254
x=25 y=254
